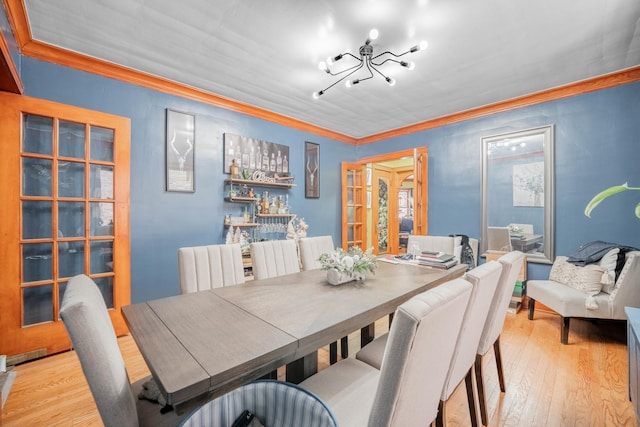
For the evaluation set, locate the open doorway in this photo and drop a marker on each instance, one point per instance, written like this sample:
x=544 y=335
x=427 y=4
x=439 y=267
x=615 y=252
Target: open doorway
x=396 y=200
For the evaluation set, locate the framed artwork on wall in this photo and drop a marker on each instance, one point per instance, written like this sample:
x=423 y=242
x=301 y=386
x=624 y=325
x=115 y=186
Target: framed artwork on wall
x=180 y=151
x=254 y=155
x=311 y=170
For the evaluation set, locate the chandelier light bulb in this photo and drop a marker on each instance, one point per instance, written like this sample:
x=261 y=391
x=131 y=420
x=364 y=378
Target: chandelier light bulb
x=420 y=46
x=390 y=81
x=373 y=34
x=323 y=66
x=348 y=83
x=410 y=65
x=317 y=95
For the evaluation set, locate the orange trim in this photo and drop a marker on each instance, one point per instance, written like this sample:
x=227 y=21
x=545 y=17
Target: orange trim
x=28 y=46
x=9 y=76
x=630 y=75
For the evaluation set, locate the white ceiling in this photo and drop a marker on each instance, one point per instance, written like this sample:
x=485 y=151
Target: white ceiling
x=265 y=53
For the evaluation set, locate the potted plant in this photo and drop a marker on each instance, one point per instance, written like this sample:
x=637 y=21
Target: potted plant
x=344 y=266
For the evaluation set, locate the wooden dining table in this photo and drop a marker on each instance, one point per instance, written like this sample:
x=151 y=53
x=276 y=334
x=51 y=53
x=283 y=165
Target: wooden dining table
x=208 y=343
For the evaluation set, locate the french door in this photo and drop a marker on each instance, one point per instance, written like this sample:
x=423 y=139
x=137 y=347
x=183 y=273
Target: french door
x=384 y=211
x=355 y=200
x=65 y=211
x=353 y=205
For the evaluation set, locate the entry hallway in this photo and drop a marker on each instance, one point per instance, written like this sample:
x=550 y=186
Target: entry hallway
x=548 y=384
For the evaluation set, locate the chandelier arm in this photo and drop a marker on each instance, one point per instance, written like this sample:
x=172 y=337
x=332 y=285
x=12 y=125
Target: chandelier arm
x=342 y=78
x=345 y=70
x=352 y=55
x=379 y=72
x=386 y=60
x=367 y=61
x=390 y=53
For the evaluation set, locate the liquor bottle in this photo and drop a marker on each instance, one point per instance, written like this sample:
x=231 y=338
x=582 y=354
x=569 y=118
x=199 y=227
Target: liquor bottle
x=273 y=162
x=252 y=160
x=279 y=163
x=258 y=158
x=245 y=158
x=230 y=156
x=285 y=165
x=234 y=170
x=265 y=160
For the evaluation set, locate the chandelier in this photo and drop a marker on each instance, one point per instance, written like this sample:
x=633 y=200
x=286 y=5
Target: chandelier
x=368 y=61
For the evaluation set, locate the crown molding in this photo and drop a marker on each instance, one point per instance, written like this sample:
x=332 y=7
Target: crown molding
x=42 y=51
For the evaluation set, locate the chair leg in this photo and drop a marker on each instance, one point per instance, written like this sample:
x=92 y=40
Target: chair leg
x=344 y=347
x=333 y=352
x=471 y=398
x=564 y=330
x=440 y=416
x=496 y=350
x=482 y=399
x=532 y=307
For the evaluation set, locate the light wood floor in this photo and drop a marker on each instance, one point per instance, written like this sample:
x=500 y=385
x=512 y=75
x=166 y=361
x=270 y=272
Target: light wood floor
x=548 y=384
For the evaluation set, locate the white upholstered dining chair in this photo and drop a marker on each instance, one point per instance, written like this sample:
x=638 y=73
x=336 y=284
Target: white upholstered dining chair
x=85 y=316
x=311 y=248
x=406 y=390
x=447 y=244
x=511 y=265
x=274 y=258
x=499 y=239
x=208 y=267
x=485 y=280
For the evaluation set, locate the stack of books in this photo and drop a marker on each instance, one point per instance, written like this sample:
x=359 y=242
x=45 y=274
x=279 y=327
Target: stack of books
x=436 y=259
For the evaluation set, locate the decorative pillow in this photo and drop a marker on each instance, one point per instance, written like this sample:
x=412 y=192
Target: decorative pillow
x=609 y=263
x=585 y=279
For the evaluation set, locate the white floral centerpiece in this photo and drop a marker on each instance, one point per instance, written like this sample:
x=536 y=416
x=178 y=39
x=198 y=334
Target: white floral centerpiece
x=344 y=266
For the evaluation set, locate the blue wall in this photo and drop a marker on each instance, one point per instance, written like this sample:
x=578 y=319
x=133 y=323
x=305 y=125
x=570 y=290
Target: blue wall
x=597 y=145
x=161 y=221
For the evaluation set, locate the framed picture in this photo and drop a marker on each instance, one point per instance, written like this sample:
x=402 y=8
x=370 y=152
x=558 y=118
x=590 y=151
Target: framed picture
x=311 y=170
x=180 y=147
x=253 y=155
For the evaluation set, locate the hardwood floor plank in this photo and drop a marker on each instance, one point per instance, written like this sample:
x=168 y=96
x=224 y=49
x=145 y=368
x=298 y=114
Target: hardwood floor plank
x=583 y=383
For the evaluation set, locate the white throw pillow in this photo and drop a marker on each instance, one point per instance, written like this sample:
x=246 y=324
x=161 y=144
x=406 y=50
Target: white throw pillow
x=608 y=263
x=585 y=279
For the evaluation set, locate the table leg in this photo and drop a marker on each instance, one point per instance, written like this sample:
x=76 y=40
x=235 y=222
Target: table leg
x=303 y=368
x=367 y=334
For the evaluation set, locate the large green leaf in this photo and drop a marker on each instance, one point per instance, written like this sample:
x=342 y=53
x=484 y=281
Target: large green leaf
x=598 y=198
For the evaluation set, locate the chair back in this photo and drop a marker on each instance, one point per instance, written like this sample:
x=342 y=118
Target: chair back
x=484 y=279
x=85 y=316
x=419 y=349
x=207 y=267
x=626 y=291
x=311 y=248
x=511 y=265
x=274 y=258
x=525 y=228
x=499 y=239
x=274 y=403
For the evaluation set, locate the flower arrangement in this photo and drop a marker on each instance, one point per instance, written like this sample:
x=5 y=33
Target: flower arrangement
x=514 y=229
x=354 y=262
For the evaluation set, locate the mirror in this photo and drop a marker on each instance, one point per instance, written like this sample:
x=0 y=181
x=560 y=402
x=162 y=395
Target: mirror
x=517 y=193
